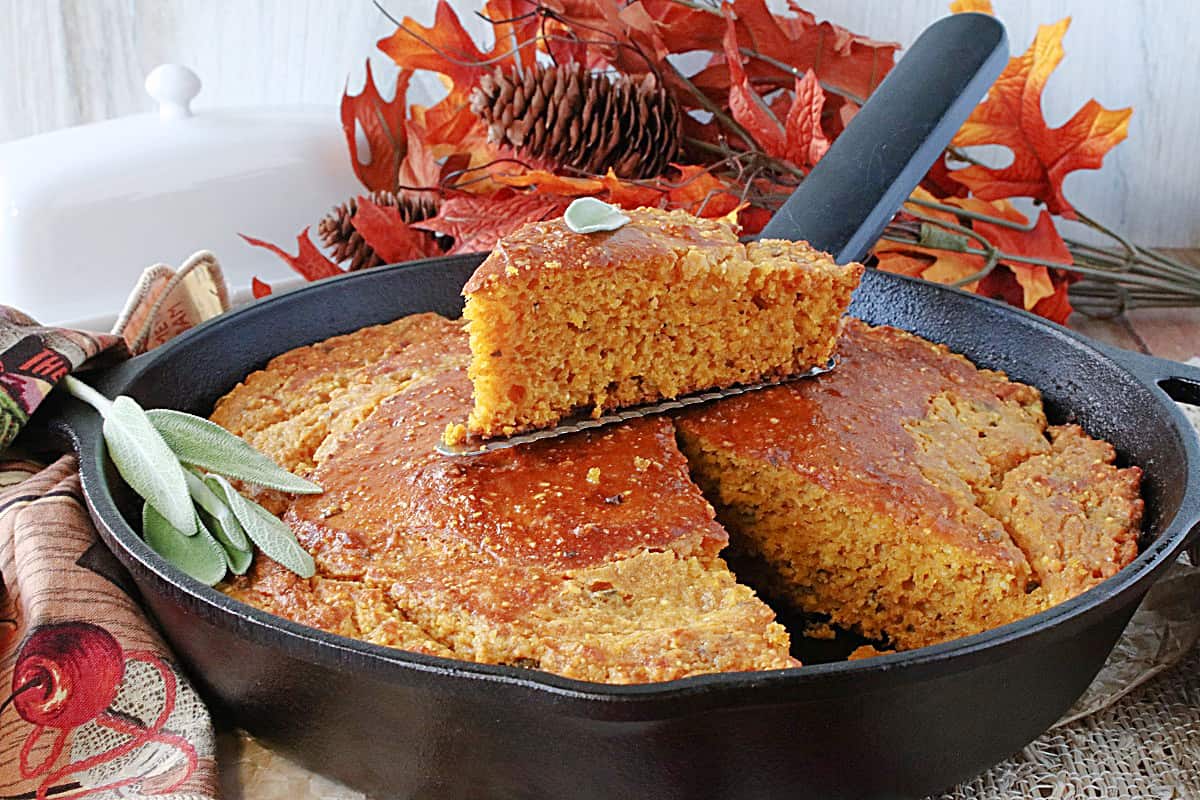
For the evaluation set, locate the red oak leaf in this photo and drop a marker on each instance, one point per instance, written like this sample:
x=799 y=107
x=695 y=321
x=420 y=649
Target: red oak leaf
x=308 y=261
x=780 y=47
x=259 y=288
x=382 y=124
x=389 y=235
x=1042 y=157
x=746 y=105
x=939 y=183
x=806 y=142
x=477 y=222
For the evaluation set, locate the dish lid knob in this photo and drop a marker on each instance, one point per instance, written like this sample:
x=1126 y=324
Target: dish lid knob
x=173 y=86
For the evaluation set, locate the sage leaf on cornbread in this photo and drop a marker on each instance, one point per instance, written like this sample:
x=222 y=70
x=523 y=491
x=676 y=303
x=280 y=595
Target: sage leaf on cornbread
x=268 y=532
x=224 y=524
x=207 y=445
x=147 y=463
x=589 y=215
x=199 y=555
x=195 y=520
x=237 y=558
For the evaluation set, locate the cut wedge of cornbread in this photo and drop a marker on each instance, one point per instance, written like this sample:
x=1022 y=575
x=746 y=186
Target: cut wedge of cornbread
x=592 y=556
x=666 y=305
x=910 y=496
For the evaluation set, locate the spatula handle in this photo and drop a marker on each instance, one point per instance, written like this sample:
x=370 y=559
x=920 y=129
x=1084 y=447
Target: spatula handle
x=873 y=166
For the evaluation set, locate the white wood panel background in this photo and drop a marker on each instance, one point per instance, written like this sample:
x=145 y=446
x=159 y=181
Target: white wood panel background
x=65 y=62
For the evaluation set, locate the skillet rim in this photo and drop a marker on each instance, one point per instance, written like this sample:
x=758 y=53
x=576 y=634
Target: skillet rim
x=386 y=663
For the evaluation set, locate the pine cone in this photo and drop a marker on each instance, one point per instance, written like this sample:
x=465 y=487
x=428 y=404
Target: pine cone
x=570 y=118
x=338 y=235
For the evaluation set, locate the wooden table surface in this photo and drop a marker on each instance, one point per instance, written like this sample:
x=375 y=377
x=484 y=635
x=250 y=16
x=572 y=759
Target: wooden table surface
x=1168 y=333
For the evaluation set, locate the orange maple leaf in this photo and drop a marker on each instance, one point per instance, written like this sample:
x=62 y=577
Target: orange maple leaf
x=382 y=125
x=977 y=6
x=448 y=49
x=941 y=266
x=699 y=192
x=1012 y=116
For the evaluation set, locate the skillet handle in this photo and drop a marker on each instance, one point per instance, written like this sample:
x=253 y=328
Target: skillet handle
x=906 y=124
x=1180 y=382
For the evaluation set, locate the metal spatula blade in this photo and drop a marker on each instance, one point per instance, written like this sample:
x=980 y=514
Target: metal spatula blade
x=474 y=446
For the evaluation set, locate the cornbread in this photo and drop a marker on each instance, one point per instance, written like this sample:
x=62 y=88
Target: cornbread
x=663 y=306
x=592 y=556
x=909 y=496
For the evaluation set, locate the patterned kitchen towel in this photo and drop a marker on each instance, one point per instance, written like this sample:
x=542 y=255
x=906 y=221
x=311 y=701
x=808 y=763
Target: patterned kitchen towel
x=95 y=705
x=91 y=702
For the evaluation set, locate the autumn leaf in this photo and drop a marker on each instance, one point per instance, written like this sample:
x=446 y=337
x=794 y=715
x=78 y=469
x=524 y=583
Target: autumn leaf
x=782 y=47
x=476 y=222
x=382 y=124
x=448 y=49
x=746 y=105
x=939 y=182
x=1002 y=284
x=393 y=239
x=699 y=192
x=308 y=261
x=942 y=266
x=976 y=6
x=1042 y=157
x=806 y=142
x=259 y=289
x=1043 y=243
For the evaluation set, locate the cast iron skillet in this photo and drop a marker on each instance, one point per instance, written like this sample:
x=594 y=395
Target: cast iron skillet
x=900 y=725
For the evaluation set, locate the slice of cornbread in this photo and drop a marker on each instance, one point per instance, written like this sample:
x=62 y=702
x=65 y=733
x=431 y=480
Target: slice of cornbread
x=591 y=556
x=910 y=496
x=666 y=305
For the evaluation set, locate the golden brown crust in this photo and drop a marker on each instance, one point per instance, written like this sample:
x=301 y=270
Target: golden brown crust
x=667 y=305
x=551 y=245
x=595 y=556
x=923 y=498
x=591 y=556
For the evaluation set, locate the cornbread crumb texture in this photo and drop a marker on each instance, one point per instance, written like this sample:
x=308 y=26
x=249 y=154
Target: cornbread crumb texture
x=663 y=306
x=907 y=496
x=593 y=557
x=910 y=496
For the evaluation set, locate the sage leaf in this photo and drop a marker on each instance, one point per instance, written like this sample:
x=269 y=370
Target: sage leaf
x=207 y=445
x=238 y=558
x=271 y=534
x=589 y=215
x=224 y=524
x=199 y=555
x=147 y=464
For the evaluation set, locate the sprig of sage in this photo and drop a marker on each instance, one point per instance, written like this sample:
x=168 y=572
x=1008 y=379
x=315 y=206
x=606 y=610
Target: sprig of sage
x=589 y=215
x=193 y=517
